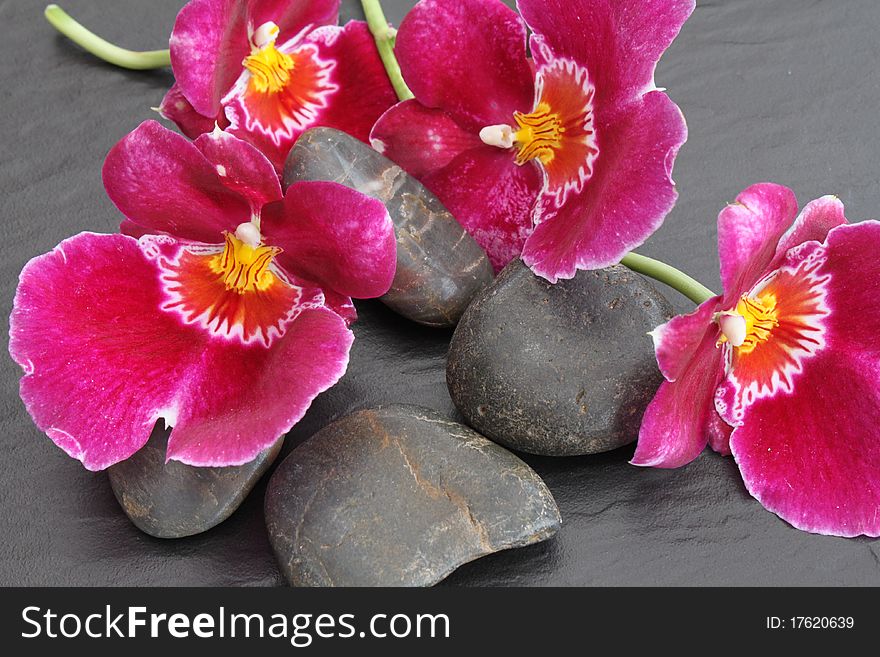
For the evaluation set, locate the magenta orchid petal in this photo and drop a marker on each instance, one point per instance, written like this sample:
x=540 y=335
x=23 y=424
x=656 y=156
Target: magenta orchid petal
x=175 y=107
x=243 y=168
x=675 y=427
x=491 y=197
x=162 y=182
x=467 y=57
x=853 y=278
x=719 y=434
x=208 y=43
x=676 y=341
x=626 y=199
x=813 y=458
x=808 y=442
x=812 y=224
x=619 y=41
x=420 y=139
x=129 y=326
x=341 y=305
x=365 y=92
x=749 y=230
x=337 y=81
x=335 y=237
x=92 y=305
x=294 y=16
x=263 y=392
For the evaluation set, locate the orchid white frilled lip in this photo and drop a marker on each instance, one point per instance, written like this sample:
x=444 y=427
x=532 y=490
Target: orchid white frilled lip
x=782 y=369
x=225 y=318
x=267 y=70
x=566 y=158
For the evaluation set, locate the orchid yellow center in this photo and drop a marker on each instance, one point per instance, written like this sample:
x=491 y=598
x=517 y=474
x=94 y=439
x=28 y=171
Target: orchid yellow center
x=243 y=265
x=558 y=133
x=750 y=324
x=539 y=135
x=269 y=67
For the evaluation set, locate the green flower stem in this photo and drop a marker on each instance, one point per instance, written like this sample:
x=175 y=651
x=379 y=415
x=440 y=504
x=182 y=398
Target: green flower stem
x=668 y=275
x=102 y=49
x=384 y=36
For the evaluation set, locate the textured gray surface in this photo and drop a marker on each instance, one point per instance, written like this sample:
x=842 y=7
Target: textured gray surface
x=439 y=266
x=400 y=496
x=558 y=370
x=785 y=90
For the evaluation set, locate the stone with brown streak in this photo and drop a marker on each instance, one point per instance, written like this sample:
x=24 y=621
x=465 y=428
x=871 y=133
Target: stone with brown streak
x=439 y=266
x=558 y=370
x=400 y=496
x=173 y=500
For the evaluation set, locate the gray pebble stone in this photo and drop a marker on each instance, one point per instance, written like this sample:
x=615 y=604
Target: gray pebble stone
x=558 y=370
x=439 y=266
x=173 y=500
x=400 y=496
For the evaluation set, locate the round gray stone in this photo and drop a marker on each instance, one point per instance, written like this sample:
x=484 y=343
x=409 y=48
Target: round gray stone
x=173 y=500
x=558 y=370
x=439 y=265
x=400 y=496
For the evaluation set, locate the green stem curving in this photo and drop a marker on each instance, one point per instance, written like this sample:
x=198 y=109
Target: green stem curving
x=669 y=275
x=131 y=59
x=384 y=36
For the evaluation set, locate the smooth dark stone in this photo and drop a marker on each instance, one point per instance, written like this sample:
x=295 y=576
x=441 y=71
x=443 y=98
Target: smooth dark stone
x=172 y=500
x=439 y=266
x=560 y=369
x=400 y=496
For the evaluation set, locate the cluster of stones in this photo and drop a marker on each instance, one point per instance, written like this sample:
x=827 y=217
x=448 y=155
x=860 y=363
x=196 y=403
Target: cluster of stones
x=402 y=495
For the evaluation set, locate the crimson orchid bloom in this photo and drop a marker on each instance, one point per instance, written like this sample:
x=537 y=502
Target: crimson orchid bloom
x=781 y=370
x=225 y=319
x=267 y=70
x=566 y=159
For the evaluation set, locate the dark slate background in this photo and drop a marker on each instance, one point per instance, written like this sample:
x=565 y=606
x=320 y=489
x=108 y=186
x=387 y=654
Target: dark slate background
x=785 y=91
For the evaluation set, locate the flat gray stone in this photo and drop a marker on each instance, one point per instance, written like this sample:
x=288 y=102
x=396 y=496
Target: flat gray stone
x=400 y=496
x=173 y=500
x=439 y=266
x=562 y=369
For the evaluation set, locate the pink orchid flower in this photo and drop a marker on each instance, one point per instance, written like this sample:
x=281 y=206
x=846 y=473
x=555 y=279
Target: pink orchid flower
x=566 y=159
x=781 y=370
x=267 y=70
x=226 y=318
